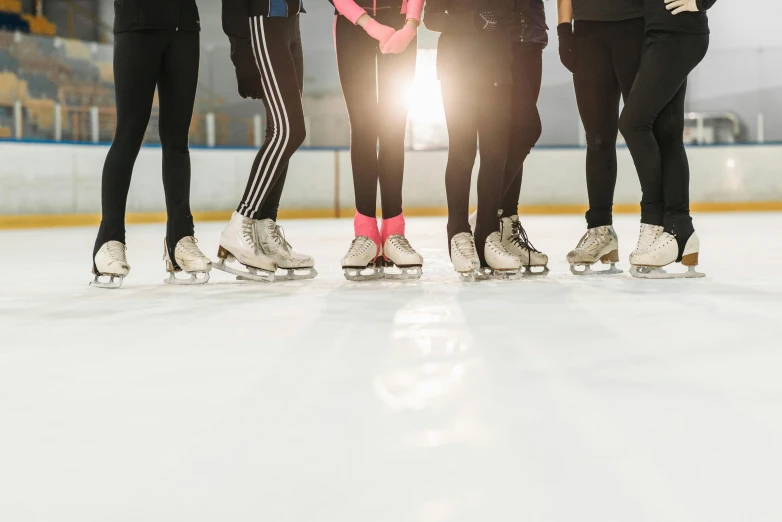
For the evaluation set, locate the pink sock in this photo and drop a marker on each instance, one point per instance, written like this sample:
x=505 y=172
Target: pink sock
x=367 y=226
x=392 y=227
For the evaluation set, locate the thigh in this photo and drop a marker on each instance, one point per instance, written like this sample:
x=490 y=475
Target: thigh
x=460 y=103
x=356 y=65
x=395 y=74
x=597 y=89
x=627 y=48
x=494 y=124
x=137 y=60
x=177 y=85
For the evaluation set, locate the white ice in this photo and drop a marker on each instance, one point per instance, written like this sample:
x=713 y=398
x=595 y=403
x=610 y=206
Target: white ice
x=562 y=399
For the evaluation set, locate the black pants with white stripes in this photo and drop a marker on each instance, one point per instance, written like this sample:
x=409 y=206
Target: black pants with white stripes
x=142 y=61
x=277 y=45
x=375 y=89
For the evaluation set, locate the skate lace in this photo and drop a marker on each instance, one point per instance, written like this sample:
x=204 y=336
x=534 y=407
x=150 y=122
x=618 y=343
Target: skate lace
x=278 y=236
x=360 y=246
x=591 y=238
x=520 y=239
x=402 y=244
x=646 y=238
x=249 y=233
x=116 y=250
x=465 y=245
x=189 y=245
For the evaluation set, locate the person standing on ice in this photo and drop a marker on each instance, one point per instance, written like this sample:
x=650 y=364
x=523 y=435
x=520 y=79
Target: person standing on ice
x=376 y=44
x=267 y=55
x=603 y=50
x=652 y=122
x=155 y=44
x=474 y=64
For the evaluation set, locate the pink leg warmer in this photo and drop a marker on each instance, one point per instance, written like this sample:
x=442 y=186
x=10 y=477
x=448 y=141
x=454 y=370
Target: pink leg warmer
x=392 y=227
x=367 y=226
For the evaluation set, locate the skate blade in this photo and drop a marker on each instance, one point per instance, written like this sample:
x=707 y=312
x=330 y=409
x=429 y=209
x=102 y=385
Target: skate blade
x=654 y=272
x=468 y=277
x=405 y=273
x=490 y=274
x=114 y=282
x=370 y=273
x=252 y=274
x=527 y=271
x=292 y=274
x=193 y=280
x=587 y=270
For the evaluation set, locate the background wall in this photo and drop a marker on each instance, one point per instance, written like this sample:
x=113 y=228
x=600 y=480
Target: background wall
x=65 y=179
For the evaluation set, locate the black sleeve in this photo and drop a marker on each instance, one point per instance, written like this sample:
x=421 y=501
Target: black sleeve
x=705 y=5
x=236 y=24
x=438 y=19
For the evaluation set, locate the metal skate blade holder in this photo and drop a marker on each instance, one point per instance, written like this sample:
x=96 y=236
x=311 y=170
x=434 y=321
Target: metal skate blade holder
x=369 y=273
x=190 y=281
x=490 y=274
x=405 y=273
x=252 y=273
x=527 y=271
x=587 y=270
x=114 y=282
x=295 y=274
x=655 y=272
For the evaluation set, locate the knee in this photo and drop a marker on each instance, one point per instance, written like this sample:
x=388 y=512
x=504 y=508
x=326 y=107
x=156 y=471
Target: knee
x=462 y=160
x=667 y=129
x=630 y=123
x=175 y=144
x=298 y=134
x=601 y=141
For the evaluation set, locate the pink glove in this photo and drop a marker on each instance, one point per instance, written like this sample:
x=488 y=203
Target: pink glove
x=399 y=41
x=378 y=31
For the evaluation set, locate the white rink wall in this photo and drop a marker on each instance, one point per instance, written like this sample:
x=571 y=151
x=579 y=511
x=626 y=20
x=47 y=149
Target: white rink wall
x=65 y=179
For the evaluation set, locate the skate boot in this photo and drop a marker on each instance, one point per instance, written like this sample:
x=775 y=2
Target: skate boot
x=472 y=219
x=464 y=256
x=273 y=244
x=239 y=242
x=598 y=244
x=668 y=249
x=111 y=262
x=189 y=259
x=646 y=237
x=501 y=264
x=400 y=260
x=515 y=241
x=361 y=263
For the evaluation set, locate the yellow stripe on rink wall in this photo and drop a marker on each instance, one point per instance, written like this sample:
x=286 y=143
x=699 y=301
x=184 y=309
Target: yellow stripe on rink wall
x=93 y=220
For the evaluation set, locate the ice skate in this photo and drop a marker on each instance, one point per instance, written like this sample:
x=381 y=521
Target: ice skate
x=646 y=237
x=189 y=259
x=239 y=242
x=598 y=244
x=464 y=256
x=666 y=251
x=362 y=262
x=515 y=241
x=400 y=260
x=272 y=241
x=500 y=263
x=111 y=262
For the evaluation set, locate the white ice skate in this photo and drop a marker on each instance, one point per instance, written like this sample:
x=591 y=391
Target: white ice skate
x=273 y=243
x=189 y=259
x=239 y=242
x=598 y=244
x=501 y=264
x=464 y=256
x=111 y=262
x=398 y=254
x=646 y=238
x=515 y=241
x=361 y=261
x=663 y=252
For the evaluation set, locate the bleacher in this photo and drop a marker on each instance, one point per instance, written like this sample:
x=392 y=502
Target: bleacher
x=12 y=19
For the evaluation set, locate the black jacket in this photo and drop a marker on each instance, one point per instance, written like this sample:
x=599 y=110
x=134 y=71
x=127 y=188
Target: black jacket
x=236 y=25
x=140 y=15
x=464 y=52
x=658 y=18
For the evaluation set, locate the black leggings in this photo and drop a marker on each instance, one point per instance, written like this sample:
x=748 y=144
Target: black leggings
x=476 y=115
x=143 y=60
x=375 y=87
x=525 y=126
x=653 y=126
x=277 y=46
x=609 y=54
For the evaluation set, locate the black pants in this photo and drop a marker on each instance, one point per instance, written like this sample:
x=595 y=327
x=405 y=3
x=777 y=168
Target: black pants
x=653 y=126
x=525 y=125
x=143 y=60
x=375 y=87
x=277 y=45
x=475 y=113
x=609 y=55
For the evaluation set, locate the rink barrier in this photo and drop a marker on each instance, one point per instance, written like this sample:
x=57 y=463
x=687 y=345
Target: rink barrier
x=45 y=184
x=90 y=220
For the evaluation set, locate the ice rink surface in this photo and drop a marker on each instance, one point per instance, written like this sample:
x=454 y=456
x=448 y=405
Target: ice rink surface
x=560 y=399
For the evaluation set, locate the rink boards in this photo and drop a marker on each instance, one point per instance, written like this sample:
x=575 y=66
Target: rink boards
x=46 y=184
